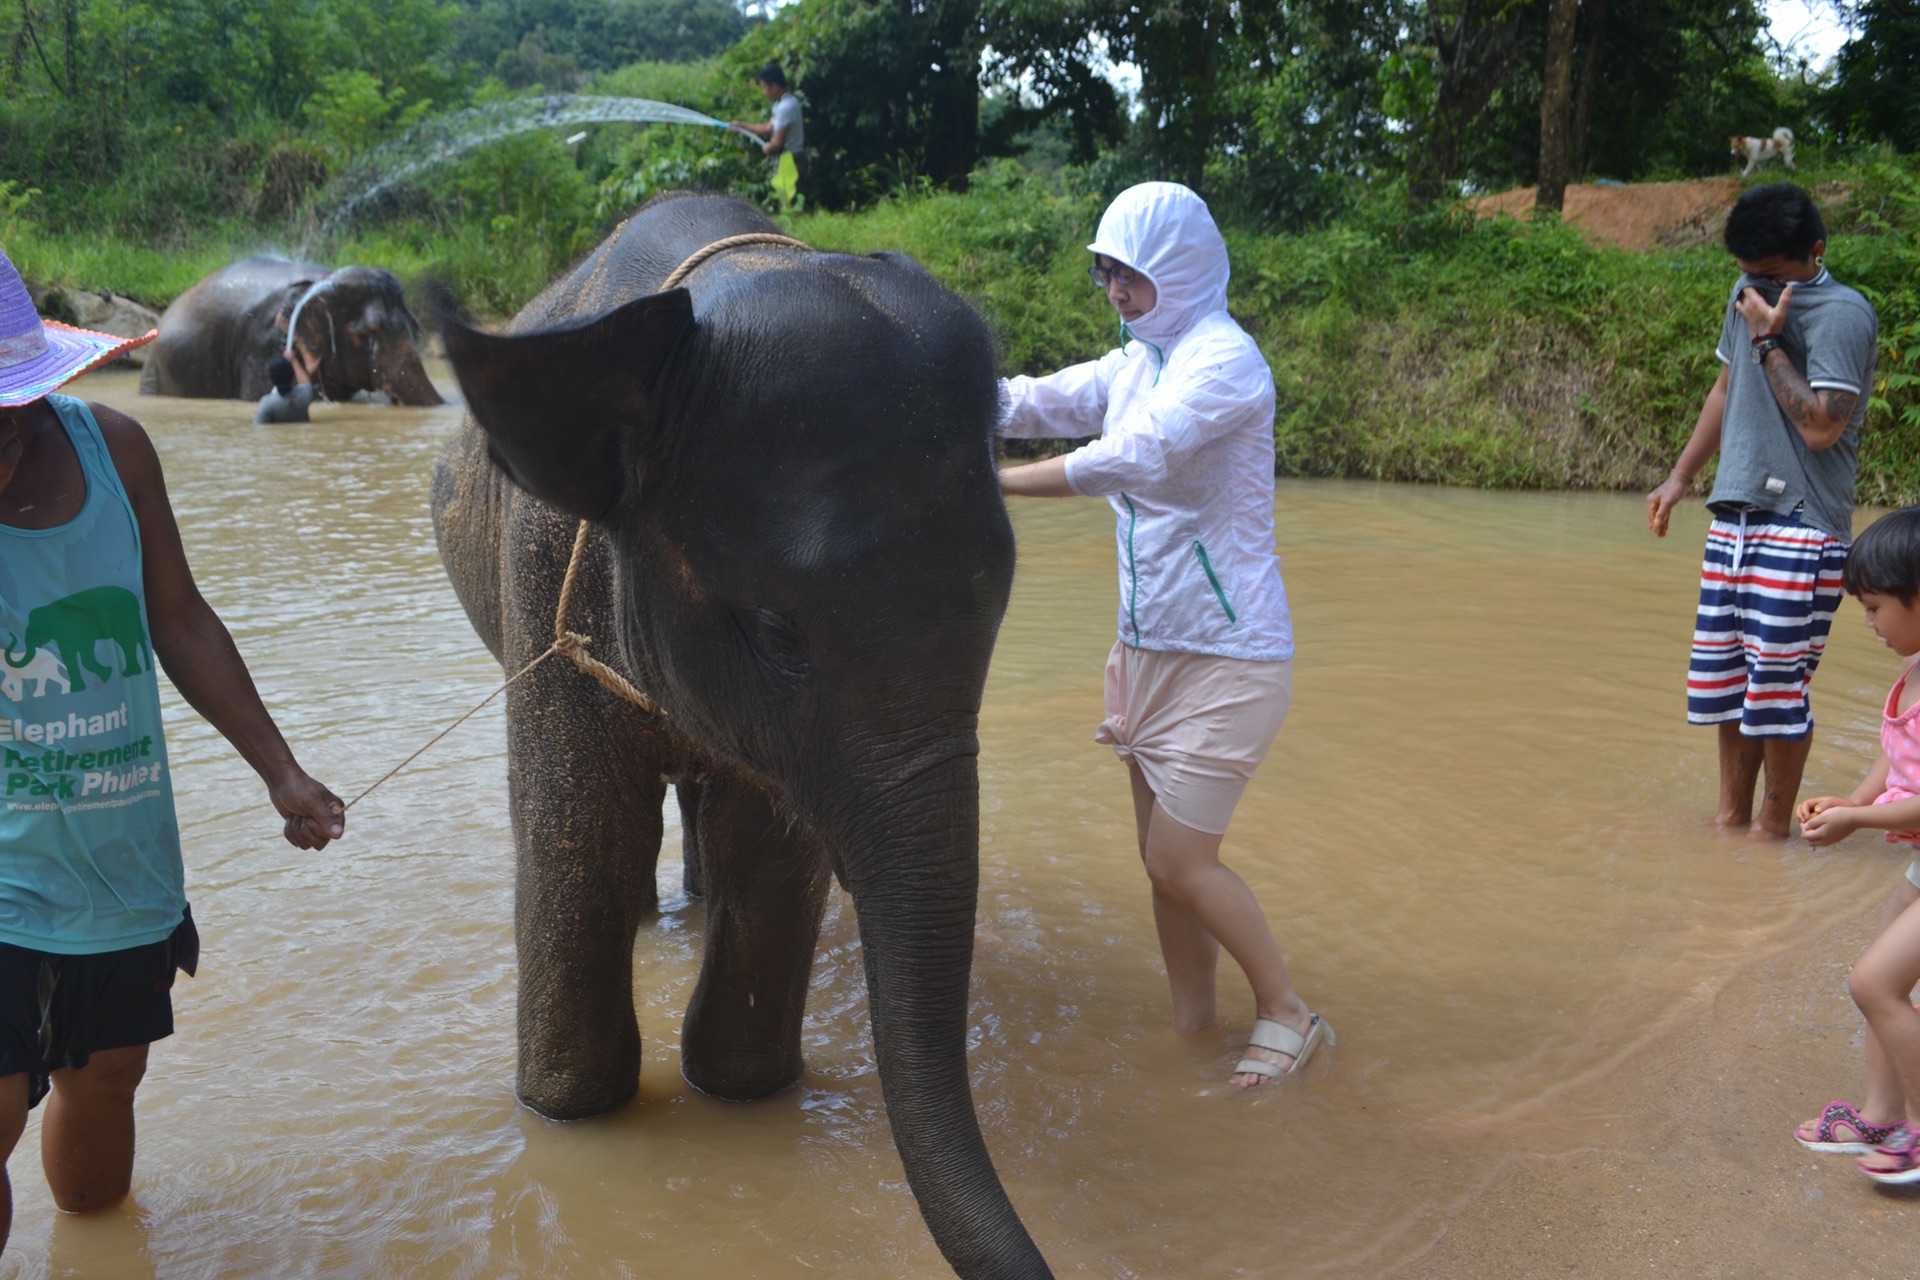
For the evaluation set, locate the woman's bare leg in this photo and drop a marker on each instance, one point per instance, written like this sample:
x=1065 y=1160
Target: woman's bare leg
x=1195 y=896
x=1192 y=954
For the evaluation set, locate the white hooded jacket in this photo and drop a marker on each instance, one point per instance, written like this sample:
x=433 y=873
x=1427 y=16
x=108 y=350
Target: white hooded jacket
x=1184 y=412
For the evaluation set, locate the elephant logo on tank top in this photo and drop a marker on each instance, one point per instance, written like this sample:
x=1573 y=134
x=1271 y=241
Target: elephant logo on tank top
x=39 y=670
x=74 y=626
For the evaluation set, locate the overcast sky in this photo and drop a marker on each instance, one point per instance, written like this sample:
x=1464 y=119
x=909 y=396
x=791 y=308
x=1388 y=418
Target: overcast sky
x=1810 y=28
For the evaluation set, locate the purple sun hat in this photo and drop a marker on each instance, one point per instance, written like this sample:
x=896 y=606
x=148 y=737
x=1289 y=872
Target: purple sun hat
x=38 y=356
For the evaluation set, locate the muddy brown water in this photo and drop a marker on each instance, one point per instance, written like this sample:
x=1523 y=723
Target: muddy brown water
x=1478 y=836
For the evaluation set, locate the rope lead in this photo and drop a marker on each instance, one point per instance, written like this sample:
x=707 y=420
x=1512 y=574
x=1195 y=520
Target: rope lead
x=572 y=643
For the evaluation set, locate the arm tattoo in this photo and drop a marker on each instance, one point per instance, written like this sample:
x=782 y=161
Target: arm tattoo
x=1804 y=406
x=1838 y=404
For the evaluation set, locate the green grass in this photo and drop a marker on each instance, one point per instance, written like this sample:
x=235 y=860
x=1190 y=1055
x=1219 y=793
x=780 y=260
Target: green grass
x=1406 y=344
x=152 y=276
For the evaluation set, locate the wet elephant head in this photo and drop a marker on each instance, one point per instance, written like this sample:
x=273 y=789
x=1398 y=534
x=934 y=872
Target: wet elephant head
x=357 y=324
x=217 y=337
x=803 y=557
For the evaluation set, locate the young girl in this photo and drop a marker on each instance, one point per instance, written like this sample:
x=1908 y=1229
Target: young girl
x=1200 y=678
x=1883 y=571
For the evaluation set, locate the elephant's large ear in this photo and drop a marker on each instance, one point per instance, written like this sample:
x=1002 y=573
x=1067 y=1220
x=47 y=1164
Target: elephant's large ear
x=557 y=403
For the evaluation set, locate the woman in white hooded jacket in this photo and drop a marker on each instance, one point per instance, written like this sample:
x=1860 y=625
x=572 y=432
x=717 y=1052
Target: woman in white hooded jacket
x=1200 y=678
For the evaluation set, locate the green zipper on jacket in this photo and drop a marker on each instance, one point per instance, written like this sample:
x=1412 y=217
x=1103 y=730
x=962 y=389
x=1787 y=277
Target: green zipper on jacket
x=1133 y=574
x=1160 y=357
x=1206 y=564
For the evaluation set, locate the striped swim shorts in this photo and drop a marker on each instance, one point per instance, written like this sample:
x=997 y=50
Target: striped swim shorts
x=1769 y=586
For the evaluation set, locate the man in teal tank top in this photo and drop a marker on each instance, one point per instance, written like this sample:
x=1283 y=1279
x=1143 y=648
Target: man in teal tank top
x=94 y=592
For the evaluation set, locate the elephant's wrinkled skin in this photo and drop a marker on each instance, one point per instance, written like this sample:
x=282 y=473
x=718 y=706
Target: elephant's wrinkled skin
x=800 y=551
x=216 y=338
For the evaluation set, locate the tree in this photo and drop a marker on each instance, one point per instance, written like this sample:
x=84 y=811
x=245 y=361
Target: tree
x=1873 y=98
x=1271 y=107
x=1556 y=107
x=596 y=35
x=891 y=90
x=1658 y=85
x=1475 y=44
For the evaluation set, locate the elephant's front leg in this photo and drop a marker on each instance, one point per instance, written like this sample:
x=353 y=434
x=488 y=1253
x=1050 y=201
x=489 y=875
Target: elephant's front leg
x=587 y=824
x=766 y=887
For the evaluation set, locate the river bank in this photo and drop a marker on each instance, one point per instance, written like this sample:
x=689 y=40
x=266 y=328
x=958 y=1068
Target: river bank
x=1414 y=344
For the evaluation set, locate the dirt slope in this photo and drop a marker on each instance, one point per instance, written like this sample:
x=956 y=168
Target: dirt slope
x=1642 y=215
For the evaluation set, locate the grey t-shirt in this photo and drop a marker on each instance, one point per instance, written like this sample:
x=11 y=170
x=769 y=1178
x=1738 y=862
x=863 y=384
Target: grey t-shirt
x=291 y=407
x=786 y=115
x=1832 y=338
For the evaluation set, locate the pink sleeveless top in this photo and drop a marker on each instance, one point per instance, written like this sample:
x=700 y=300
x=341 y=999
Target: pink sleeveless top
x=1900 y=739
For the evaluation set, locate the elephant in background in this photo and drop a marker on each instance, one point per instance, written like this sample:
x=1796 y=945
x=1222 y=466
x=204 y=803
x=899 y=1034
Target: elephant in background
x=799 y=551
x=216 y=338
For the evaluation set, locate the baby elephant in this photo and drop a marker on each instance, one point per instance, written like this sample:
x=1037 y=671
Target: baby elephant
x=797 y=549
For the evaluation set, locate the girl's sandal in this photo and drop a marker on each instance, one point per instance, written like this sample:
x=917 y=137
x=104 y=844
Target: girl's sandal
x=1841 y=1130
x=1896 y=1161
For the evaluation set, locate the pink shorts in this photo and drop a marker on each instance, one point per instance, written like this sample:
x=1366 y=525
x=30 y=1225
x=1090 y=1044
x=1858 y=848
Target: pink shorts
x=1196 y=724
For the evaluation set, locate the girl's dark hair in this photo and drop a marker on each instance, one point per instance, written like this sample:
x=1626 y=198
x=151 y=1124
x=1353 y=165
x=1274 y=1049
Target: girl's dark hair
x=280 y=373
x=1886 y=558
x=1776 y=218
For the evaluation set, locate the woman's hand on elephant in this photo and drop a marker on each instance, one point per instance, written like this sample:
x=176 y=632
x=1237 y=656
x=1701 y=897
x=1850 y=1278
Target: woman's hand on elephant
x=314 y=814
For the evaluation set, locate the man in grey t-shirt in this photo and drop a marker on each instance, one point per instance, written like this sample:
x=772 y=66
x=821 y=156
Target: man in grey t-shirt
x=786 y=131
x=292 y=391
x=1797 y=352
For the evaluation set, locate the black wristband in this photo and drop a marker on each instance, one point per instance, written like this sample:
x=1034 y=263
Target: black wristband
x=1759 y=338
x=1763 y=345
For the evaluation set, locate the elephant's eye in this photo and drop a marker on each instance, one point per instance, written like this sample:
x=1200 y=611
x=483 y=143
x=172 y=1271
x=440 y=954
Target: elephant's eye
x=774 y=640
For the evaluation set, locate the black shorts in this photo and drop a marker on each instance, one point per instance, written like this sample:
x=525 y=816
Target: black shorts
x=57 y=1011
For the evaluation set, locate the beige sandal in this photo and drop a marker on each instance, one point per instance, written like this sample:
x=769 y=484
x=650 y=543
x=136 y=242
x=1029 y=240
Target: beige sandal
x=1280 y=1038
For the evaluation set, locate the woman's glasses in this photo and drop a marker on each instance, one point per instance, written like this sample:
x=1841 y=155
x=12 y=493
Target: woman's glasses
x=1125 y=277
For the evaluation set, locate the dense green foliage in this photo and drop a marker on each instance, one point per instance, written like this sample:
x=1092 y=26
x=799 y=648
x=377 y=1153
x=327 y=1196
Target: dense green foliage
x=143 y=145
x=1873 y=96
x=1414 y=344
x=1407 y=342
x=560 y=43
x=166 y=119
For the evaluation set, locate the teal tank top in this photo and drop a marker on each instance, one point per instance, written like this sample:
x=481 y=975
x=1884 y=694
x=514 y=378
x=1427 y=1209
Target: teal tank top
x=89 y=845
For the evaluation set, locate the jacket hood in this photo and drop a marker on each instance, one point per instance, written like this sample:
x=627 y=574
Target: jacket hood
x=1163 y=231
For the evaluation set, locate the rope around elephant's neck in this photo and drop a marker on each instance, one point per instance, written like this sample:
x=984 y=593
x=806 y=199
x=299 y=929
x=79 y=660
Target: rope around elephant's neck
x=572 y=643
x=700 y=255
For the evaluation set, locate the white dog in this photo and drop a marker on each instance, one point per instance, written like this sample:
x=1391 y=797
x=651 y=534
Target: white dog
x=1759 y=149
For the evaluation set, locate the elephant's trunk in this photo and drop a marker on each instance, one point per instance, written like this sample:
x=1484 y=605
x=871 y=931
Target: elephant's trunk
x=915 y=881
x=402 y=376
x=26 y=655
